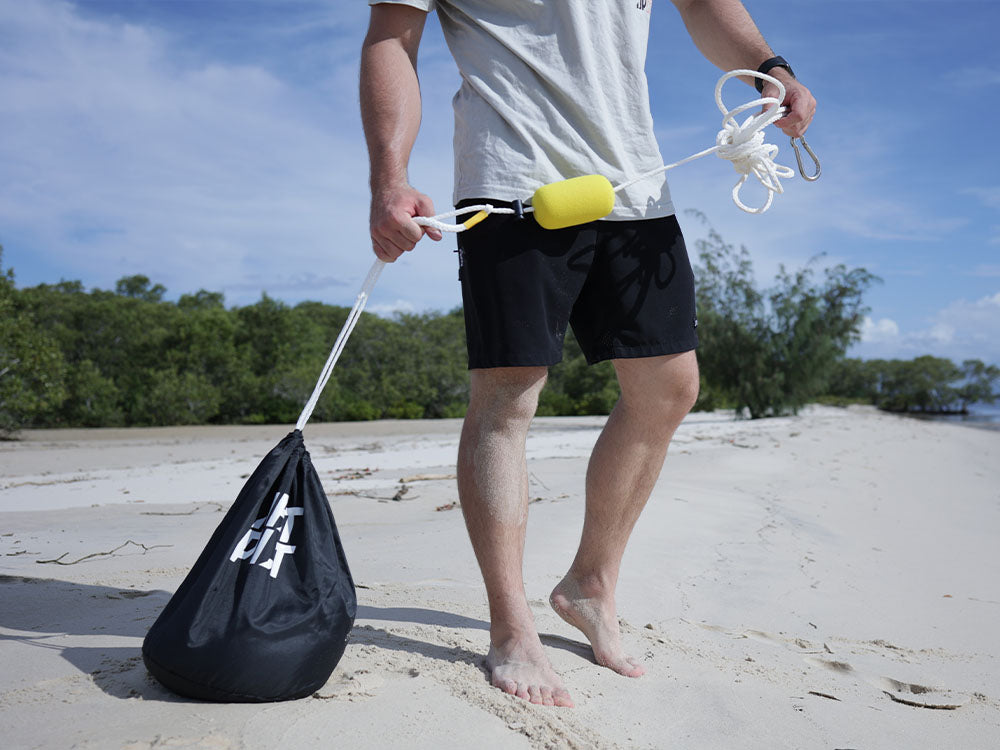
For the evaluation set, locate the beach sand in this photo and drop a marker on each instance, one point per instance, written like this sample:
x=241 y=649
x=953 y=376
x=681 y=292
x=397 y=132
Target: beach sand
x=822 y=581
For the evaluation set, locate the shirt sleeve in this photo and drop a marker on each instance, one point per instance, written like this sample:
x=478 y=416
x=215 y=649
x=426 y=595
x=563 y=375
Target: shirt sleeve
x=425 y=5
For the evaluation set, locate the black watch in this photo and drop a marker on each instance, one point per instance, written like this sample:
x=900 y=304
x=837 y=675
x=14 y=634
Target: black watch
x=772 y=62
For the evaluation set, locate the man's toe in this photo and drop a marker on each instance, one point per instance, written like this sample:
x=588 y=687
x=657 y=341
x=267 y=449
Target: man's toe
x=508 y=686
x=636 y=669
x=561 y=698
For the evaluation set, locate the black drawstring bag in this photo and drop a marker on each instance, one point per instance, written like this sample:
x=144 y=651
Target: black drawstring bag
x=265 y=612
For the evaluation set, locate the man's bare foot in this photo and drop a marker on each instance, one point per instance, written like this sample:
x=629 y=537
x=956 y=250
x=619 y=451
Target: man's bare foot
x=592 y=611
x=519 y=666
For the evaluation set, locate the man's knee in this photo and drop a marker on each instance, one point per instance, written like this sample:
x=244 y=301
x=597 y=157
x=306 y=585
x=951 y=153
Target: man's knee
x=660 y=387
x=682 y=390
x=506 y=393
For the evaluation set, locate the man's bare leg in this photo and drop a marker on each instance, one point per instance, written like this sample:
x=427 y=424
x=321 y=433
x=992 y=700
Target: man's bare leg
x=493 y=487
x=657 y=393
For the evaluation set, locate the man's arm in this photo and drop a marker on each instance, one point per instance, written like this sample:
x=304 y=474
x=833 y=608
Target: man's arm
x=390 y=113
x=728 y=37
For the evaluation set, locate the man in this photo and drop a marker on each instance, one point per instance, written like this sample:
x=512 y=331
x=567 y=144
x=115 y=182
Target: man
x=553 y=90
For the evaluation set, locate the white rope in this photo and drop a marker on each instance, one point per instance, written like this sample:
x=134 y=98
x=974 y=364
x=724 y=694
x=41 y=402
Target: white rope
x=741 y=144
x=338 y=347
x=436 y=223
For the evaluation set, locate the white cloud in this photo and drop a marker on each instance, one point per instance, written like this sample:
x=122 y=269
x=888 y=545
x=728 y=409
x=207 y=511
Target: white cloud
x=962 y=330
x=125 y=153
x=387 y=309
x=855 y=207
x=883 y=330
x=127 y=150
x=939 y=334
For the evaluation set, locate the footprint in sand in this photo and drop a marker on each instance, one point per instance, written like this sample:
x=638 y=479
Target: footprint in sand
x=907 y=693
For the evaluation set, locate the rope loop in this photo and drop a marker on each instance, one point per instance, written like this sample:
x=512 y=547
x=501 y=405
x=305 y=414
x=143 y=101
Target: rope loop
x=742 y=144
x=479 y=212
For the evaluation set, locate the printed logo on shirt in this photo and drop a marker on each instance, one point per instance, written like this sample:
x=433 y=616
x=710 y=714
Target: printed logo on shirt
x=280 y=519
x=646 y=5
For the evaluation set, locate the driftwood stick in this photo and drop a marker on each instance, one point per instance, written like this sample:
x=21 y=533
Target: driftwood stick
x=59 y=560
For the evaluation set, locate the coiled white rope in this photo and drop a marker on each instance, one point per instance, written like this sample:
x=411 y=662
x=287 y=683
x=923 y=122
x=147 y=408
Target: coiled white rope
x=741 y=144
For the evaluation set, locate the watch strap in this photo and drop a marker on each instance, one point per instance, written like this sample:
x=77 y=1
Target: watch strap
x=772 y=62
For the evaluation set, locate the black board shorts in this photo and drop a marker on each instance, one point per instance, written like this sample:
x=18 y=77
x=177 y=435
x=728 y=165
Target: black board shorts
x=626 y=287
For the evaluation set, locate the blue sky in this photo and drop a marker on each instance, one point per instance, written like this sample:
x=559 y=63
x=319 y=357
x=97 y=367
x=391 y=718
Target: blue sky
x=217 y=144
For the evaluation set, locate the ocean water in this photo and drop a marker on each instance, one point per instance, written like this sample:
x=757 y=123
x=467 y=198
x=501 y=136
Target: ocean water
x=982 y=416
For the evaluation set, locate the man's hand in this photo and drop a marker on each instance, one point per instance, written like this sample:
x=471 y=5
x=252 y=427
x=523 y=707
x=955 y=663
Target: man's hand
x=393 y=230
x=390 y=113
x=799 y=100
x=726 y=35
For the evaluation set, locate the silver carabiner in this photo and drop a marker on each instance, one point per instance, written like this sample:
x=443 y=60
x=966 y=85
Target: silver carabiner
x=798 y=158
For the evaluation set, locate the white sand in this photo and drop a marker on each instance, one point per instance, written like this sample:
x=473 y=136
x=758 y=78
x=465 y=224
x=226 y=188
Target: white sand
x=793 y=583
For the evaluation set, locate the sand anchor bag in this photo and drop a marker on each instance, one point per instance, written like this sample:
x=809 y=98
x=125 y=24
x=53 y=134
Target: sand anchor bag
x=265 y=612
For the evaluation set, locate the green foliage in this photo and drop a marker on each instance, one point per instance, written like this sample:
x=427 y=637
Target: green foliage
x=575 y=388
x=171 y=397
x=71 y=357
x=922 y=384
x=100 y=358
x=32 y=369
x=202 y=300
x=769 y=352
x=138 y=287
x=979 y=384
x=93 y=400
x=925 y=384
x=412 y=366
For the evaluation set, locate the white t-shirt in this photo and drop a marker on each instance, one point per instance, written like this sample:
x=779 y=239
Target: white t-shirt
x=551 y=89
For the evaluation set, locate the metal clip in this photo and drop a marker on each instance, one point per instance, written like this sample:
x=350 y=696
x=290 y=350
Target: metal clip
x=518 y=209
x=798 y=158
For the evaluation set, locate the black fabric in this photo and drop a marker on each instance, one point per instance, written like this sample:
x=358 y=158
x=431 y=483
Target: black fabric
x=265 y=612
x=765 y=67
x=626 y=287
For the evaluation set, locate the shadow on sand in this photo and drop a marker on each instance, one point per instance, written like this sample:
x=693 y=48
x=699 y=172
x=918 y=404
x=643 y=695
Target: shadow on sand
x=64 y=616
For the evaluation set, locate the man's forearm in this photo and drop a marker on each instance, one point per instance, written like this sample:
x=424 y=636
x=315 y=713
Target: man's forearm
x=728 y=37
x=725 y=33
x=390 y=112
x=390 y=106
